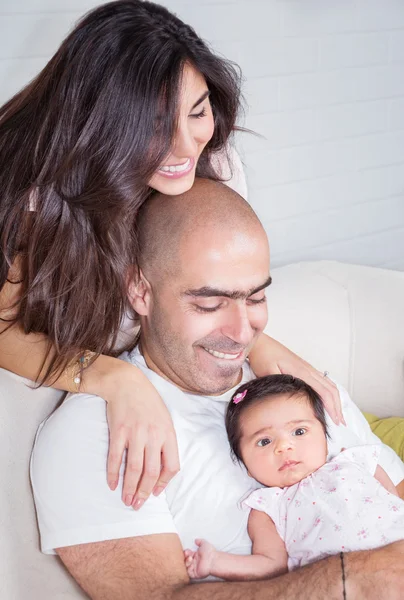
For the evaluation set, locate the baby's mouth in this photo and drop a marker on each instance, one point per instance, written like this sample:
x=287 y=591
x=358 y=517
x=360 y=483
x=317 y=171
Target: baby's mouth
x=289 y=464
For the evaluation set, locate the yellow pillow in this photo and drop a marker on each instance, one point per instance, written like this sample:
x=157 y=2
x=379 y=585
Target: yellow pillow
x=389 y=430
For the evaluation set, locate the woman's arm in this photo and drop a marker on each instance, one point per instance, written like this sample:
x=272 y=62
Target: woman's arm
x=268 y=558
x=138 y=420
x=270 y=357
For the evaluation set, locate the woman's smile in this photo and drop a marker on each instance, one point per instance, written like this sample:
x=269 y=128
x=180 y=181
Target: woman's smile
x=175 y=171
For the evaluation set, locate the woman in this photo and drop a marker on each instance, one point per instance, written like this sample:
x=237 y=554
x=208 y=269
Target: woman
x=132 y=101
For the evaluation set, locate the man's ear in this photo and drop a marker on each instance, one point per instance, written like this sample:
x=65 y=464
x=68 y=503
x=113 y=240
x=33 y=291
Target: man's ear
x=139 y=293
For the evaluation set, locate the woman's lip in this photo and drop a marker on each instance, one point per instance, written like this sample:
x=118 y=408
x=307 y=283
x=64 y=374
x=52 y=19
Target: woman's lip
x=177 y=174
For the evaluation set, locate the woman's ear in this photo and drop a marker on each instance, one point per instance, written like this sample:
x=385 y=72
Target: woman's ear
x=139 y=293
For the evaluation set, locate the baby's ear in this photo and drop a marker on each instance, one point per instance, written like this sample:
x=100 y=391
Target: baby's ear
x=139 y=293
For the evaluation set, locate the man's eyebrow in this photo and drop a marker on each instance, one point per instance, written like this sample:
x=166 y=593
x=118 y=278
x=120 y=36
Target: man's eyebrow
x=201 y=99
x=209 y=292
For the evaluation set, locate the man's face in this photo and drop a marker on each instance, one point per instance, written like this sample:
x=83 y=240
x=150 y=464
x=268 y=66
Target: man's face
x=204 y=319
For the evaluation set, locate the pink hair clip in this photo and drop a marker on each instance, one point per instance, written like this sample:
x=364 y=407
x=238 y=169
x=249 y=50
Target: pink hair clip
x=239 y=397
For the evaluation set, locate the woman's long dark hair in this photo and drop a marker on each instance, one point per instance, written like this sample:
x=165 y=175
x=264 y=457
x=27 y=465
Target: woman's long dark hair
x=76 y=146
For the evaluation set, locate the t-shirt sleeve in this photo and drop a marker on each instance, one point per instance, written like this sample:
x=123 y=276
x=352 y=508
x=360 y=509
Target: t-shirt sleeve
x=68 y=472
x=367 y=457
x=358 y=432
x=266 y=500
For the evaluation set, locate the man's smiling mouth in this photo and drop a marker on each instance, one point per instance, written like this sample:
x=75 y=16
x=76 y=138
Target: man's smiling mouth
x=223 y=354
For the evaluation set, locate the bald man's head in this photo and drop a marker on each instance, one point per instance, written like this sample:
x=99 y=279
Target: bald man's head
x=167 y=224
x=200 y=294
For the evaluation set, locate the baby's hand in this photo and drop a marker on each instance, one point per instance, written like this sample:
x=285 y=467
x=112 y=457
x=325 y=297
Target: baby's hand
x=199 y=562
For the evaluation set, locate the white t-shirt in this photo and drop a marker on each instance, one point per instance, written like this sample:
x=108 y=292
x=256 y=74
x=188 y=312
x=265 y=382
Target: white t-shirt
x=75 y=505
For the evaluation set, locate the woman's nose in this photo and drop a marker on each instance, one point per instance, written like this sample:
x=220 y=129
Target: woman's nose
x=185 y=145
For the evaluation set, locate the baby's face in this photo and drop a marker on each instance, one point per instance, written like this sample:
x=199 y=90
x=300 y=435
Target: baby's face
x=282 y=441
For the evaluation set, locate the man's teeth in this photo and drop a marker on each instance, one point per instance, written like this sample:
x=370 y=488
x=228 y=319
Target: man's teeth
x=222 y=354
x=176 y=168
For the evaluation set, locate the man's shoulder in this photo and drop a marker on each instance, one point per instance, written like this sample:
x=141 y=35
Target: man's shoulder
x=79 y=422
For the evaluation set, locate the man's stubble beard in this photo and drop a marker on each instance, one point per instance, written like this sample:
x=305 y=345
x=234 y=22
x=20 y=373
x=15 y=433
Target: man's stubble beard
x=182 y=368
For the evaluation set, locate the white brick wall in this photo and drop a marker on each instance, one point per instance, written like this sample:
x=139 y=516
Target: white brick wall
x=325 y=87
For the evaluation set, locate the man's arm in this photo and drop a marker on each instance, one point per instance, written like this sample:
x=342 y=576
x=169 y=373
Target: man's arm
x=152 y=568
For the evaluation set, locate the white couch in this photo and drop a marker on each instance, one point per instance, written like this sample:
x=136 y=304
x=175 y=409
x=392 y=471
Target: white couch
x=342 y=318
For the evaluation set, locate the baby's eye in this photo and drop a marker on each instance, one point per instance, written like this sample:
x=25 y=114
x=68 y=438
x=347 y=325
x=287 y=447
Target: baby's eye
x=300 y=431
x=263 y=442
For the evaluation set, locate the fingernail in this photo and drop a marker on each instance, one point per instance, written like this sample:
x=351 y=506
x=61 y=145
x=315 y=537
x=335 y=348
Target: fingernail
x=113 y=485
x=128 y=499
x=138 y=504
x=157 y=491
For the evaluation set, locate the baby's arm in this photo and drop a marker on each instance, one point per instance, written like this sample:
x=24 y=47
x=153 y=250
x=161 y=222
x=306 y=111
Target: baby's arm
x=384 y=479
x=268 y=558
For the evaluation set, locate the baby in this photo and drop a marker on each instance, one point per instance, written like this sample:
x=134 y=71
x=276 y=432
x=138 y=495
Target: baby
x=310 y=508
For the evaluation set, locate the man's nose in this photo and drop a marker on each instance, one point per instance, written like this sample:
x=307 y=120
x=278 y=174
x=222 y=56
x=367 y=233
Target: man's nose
x=185 y=145
x=238 y=328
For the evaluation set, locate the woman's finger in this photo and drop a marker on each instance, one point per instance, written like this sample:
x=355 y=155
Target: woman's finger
x=151 y=469
x=329 y=388
x=326 y=389
x=134 y=464
x=329 y=394
x=170 y=464
x=116 y=451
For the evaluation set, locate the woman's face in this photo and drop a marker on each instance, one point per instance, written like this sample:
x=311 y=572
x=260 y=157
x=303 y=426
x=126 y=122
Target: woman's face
x=195 y=128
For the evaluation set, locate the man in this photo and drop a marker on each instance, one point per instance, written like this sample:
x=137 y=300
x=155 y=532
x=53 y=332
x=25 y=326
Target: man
x=200 y=296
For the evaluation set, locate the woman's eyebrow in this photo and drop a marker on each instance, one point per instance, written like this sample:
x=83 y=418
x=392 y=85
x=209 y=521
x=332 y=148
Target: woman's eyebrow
x=201 y=99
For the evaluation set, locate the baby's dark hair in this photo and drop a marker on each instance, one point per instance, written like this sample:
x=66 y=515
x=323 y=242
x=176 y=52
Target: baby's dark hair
x=264 y=387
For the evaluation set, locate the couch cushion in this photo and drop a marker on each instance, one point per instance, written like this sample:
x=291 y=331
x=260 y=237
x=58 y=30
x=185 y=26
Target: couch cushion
x=309 y=313
x=346 y=319
x=24 y=571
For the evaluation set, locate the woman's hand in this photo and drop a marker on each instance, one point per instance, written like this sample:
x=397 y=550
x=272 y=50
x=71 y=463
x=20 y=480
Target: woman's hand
x=270 y=357
x=139 y=423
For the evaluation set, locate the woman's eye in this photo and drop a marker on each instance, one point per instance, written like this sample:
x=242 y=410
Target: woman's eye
x=300 y=431
x=201 y=114
x=264 y=442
